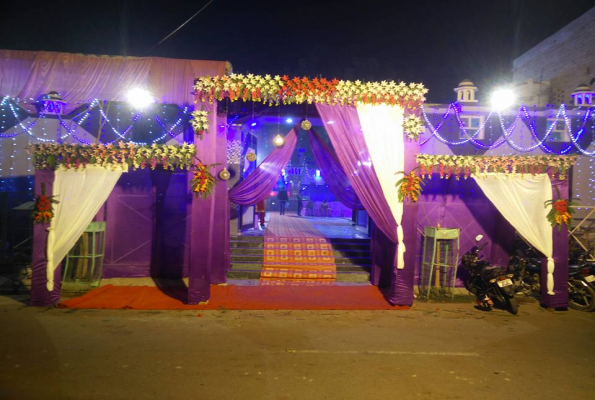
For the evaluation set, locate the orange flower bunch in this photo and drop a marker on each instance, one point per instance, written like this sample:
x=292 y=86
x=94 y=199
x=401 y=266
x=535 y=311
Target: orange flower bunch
x=44 y=211
x=560 y=213
x=409 y=187
x=203 y=182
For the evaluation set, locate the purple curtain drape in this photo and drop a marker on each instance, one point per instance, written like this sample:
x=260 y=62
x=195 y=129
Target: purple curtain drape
x=560 y=238
x=261 y=181
x=332 y=172
x=209 y=251
x=40 y=296
x=352 y=152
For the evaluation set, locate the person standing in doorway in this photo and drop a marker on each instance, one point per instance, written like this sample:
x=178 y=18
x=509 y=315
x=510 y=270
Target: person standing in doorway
x=282 y=197
x=300 y=204
x=261 y=211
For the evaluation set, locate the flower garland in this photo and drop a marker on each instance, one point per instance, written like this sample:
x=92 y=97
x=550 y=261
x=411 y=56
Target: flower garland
x=51 y=156
x=413 y=127
x=283 y=90
x=43 y=213
x=202 y=182
x=447 y=165
x=560 y=212
x=409 y=187
x=200 y=122
x=276 y=90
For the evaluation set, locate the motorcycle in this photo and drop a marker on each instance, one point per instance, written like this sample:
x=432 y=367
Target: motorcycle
x=526 y=273
x=581 y=284
x=581 y=279
x=491 y=284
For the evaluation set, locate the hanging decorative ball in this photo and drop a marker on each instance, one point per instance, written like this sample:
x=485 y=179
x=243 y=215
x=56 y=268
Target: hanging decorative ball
x=224 y=174
x=306 y=125
x=278 y=141
x=251 y=156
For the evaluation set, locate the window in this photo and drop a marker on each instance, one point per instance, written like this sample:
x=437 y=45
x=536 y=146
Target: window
x=472 y=125
x=559 y=131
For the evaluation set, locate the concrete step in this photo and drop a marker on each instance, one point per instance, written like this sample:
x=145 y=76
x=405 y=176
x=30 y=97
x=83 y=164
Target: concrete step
x=252 y=266
x=355 y=277
x=337 y=253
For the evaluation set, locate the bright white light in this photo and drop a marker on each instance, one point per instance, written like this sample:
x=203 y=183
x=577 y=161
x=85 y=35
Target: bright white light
x=140 y=98
x=289 y=120
x=330 y=122
x=503 y=98
x=317 y=173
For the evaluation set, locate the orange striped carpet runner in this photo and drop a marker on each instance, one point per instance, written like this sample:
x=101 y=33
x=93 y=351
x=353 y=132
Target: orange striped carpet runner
x=295 y=253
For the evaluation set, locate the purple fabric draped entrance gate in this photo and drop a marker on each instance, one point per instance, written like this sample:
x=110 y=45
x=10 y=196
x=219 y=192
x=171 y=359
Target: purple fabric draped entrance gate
x=332 y=172
x=350 y=146
x=263 y=179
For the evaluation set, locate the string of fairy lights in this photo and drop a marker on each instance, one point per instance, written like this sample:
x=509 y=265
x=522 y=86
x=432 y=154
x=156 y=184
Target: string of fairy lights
x=446 y=125
x=20 y=127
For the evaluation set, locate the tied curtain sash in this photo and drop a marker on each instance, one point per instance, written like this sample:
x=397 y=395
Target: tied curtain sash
x=519 y=199
x=262 y=180
x=80 y=195
x=332 y=172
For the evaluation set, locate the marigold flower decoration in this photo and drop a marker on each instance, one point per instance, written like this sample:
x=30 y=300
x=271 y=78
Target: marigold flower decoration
x=43 y=213
x=409 y=186
x=203 y=182
x=560 y=213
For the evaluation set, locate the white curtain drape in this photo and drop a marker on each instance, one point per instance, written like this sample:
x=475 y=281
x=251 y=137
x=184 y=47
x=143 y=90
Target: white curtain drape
x=520 y=198
x=382 y=126
x=81 y=194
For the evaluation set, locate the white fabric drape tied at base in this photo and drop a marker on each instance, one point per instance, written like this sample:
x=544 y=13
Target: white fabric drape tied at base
x=520 y=199
x=80 y=195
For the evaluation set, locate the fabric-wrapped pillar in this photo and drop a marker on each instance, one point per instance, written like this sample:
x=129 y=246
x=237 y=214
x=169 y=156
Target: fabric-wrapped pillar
x=402 y=290
x=209 y=247
x=40 y=296
x=560 y=241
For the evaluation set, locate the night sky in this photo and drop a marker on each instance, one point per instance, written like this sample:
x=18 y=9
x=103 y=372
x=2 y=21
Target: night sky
x=438 y=43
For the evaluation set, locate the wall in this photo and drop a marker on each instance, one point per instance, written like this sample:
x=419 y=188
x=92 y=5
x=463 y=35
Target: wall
x=566 y=59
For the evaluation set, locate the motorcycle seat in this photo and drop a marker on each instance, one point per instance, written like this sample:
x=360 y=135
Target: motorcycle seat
x=493 y=271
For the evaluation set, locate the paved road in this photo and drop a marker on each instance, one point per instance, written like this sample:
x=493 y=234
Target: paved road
x=436 y=351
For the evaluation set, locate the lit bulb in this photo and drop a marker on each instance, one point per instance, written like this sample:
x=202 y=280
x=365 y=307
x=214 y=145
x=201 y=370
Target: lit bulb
x=140 y=98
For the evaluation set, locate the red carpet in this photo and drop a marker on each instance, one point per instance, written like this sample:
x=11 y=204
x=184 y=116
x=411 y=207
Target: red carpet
x=236 y=298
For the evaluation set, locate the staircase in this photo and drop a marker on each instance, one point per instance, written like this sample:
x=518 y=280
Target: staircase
x=352 y=258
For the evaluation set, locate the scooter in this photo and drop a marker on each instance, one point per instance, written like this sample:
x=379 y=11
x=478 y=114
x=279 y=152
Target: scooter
x=491 y=284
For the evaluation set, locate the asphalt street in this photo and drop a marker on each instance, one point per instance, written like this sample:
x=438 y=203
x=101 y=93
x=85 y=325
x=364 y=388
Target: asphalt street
x=434 y=350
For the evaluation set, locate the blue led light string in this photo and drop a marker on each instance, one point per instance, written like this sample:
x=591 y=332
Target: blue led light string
x=507 y=132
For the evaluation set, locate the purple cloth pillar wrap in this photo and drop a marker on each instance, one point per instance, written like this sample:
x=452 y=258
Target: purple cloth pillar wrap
x=332 y=172
x=560 y=241
x=404 y=279
x=209 y=246
x=352 y=152
x=260 y=182
x=40 y=296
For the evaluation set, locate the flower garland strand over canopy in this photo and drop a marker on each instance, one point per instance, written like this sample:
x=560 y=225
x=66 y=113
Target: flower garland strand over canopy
x=73 y=156
x=447 y=165
x=276 y=90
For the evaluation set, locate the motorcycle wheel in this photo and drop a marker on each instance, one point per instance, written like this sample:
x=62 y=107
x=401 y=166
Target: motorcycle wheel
x=580 y=297
x=512 y=305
